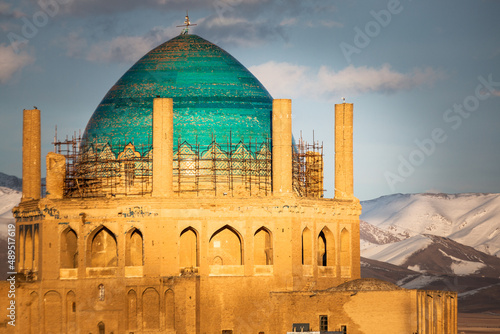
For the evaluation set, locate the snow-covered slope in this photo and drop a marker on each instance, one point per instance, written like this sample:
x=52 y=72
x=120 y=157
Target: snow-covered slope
x=9 y=198
x=397 y=253
x=470 y=219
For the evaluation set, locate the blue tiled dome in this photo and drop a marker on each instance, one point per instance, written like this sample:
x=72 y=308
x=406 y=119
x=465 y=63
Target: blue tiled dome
x=214 y=95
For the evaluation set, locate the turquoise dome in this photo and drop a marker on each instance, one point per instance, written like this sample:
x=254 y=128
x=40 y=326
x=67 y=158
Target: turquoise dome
x=213 y=94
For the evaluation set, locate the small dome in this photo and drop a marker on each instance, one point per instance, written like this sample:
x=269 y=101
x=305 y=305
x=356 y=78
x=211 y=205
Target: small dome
x=214 y=95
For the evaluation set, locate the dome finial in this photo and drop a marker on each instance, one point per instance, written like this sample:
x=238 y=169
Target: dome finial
x=186 y=24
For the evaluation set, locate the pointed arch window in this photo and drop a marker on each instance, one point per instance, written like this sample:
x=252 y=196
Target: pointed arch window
x=263 y=247
x=103 y=249
x=326 y=248
x=225 y=246
x=306 y=247
x=345 y=248
x=134 y=255
x=188 y=256
x=69 y=249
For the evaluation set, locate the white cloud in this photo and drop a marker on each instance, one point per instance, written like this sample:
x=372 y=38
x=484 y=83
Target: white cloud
x=12 y=62
x=118 y=49
x=290 y=21
x=289 y=80
x=234 y=30
x=7 y=12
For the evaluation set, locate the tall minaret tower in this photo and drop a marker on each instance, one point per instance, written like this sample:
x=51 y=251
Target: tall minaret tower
x=31 y=155
x=344 y=188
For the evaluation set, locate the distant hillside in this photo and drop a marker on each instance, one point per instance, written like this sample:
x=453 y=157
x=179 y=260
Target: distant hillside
x=8 y=199
x=438 y=242
x=10 y=181
x=470 y=219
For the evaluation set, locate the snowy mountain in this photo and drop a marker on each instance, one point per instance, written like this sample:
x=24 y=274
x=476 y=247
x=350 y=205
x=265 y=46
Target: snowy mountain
x=9 y=198
x=470 y=219
x=10 y=181
x=436 y=255
x=438 y=242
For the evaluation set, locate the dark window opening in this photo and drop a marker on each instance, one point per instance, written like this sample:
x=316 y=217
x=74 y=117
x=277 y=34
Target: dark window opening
x=101 y=328
x=323 y=323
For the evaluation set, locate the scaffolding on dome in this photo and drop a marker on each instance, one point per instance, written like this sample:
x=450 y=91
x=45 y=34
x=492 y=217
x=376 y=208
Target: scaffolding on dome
x=218 y=168
x=307 y=172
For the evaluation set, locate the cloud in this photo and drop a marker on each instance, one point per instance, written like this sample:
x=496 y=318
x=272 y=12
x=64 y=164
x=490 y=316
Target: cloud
x=290 y=80
x=119 y=49
x=91 y=7
x=12 y=62
x=6 y=12
x=233 y=30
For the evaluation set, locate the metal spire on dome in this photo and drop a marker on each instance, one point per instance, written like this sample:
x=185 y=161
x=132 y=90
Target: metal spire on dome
x=186 y=24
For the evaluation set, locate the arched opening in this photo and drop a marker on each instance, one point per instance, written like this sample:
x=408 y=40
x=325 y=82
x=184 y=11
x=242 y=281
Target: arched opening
x=103 y=250
x=132 y=310
x=36 y=247
x=71 y=312
x=150 y=309
x=306 y=247
x=34 y=314
x=263 y=247
x=188 y=252
x=169 y=310
x=226 y=244
x=134 y=249
x=326 y=248
x=345 y=248
x=101 y=327
x=69 y=249
x=52 y=312
x=28 y=249
x=21 y=248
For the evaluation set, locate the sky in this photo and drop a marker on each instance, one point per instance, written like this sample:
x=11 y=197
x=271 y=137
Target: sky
x=424 y=76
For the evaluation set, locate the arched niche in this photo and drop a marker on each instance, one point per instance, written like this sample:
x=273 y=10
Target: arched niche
x=71 y=312
x=134 y=248
x=326 y=248
x=169 y=310
x=307 y=247
x=102 y=248
x=150 y=309
x=52 y=312
x=226 y=245
x=263 y=247
x=188 y=252
x=345 y=248
x=69 y=249
x=132 y=309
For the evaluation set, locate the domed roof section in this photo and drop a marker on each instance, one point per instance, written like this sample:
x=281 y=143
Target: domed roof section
x=214 y=95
